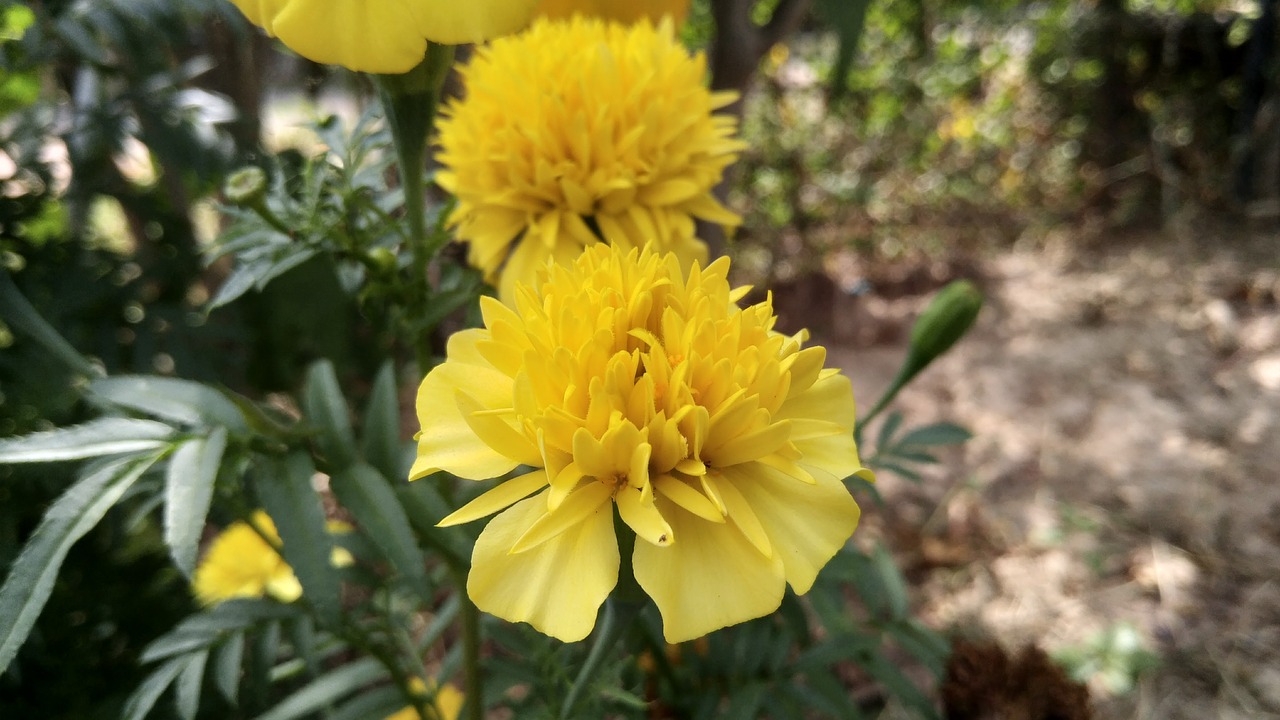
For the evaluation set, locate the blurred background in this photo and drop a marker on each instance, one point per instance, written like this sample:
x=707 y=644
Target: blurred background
x=1107 y=172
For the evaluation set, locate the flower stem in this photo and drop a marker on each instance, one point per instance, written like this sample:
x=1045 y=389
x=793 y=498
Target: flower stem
x=410 y=101
x=473 y=681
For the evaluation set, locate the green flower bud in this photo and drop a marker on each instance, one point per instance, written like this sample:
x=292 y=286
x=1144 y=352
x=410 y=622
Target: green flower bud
x=384 y=259
x=246 y=186
x=947 y=318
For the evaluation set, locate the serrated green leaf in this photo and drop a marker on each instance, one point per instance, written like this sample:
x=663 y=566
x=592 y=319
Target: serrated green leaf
x=104 y=436
x=186 y=691
x=226 y=667
x=381 y=439
x=72 y=515
x=22 y=316
x=887 y=673
x=906 y=472
x=377 y=703
x=936 y=434
x=887 y=429
x=891 y=580
x=325 y=408
x=180 y=401
x=376 y=509
x=203 y=629
x=189 y=484
x=745 y=701
x=287 y=496
x=425 y=507
x=326 y=689
x=145 y=697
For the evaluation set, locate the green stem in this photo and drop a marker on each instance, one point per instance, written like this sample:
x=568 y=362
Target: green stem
x=410 y=101
x=473 y=681
x=899 y=382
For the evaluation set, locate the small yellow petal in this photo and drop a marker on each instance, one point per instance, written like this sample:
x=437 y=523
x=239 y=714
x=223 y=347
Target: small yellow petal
x=558 y=586
x=643 y=517
x=497 y=498
x=712 y=578
x=583 y=503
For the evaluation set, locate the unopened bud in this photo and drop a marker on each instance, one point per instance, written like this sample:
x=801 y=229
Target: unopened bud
x=947 y=318
x=246 y=186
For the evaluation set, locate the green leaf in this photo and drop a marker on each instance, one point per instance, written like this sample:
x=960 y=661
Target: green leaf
x=72 y=515
x=324 y=407
x=898 y=468
x=897 y=683
x=189 y=482
x=145 y=697
x=377 y=703
x=293 y=505
x=744 y=702
x=104 y=436
x=890 y=426
x=891 y=579
x=22 y=317
x=203 y=629
x=426 y=507
x=226 y=667
x=180 y=401
x=936 y=434
x=187 y=689
x=381 y=441
x=327 y=688
x=376 y=509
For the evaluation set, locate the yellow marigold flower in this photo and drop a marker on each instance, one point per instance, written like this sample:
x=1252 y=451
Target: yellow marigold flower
x=624 y=382
x=448 y=703
x=382 y=36
x=575 y=131
x=624 y=11
x=240 y=564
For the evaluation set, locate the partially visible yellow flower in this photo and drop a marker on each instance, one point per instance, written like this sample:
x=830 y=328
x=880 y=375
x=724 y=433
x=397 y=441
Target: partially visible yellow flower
x=241 y=564
x=580 y=130
x=382 y=36
x=624 y=11
x=623 y=381
x=448 y=703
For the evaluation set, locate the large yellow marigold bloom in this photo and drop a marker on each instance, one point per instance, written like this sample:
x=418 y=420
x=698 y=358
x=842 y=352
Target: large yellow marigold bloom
x=620 y=381
x=382 y=36
x=241 y=564
x=625 y=11
x=580 y=130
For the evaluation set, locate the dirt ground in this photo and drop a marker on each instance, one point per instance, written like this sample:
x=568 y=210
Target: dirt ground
x=1124 y=395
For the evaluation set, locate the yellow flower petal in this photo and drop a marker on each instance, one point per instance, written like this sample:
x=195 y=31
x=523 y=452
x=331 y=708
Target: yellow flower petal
x=558 y=586
x=388 y=36
x=499 y=498
x=447 y=441
x=580 y=505
x=711 y=578
x=643 y=517
x=582 y=130
x=625 y=11
x=808 y=524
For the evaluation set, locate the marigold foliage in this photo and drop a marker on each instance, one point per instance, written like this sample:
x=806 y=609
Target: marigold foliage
x=623 y=382
x=576 y=131
x=383 y=36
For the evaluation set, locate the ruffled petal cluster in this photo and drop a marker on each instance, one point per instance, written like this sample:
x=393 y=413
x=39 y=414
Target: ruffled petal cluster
x=622 y=384
x=382 y=36
x=580 y=131
x=628 y=11
x=241 y=564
